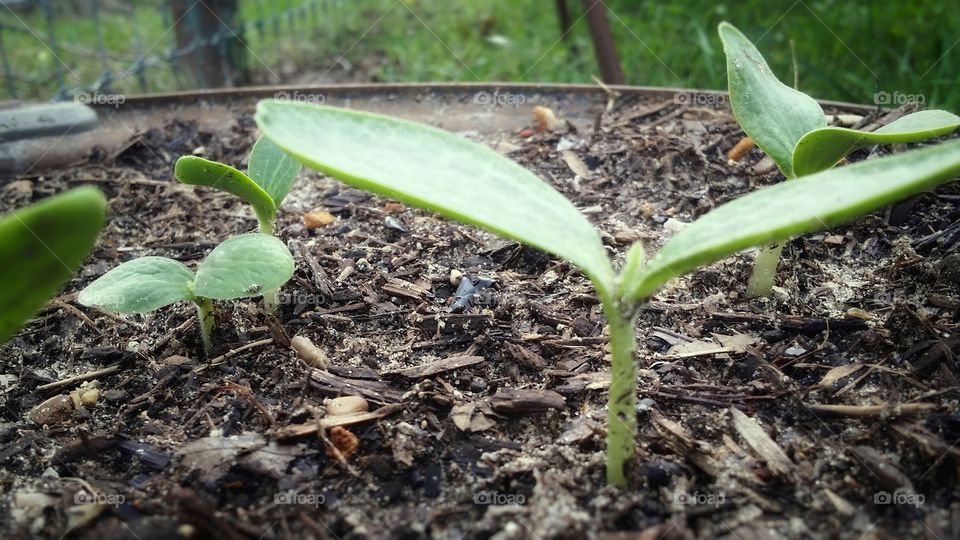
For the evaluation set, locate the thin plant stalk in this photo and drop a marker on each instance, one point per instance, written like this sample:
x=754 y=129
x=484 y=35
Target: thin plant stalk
x=621 y=408
x=205 y=317
x=764 y=270
x=271 y=299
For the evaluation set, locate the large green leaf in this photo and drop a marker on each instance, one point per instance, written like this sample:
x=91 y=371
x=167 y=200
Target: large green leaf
x=774 y=115
x=433 y=169
x=787 y=209
x=140 y=286
x=203 y=172
x=243 y=266
x=272 y=169
x=40 y=248
x=823 y=148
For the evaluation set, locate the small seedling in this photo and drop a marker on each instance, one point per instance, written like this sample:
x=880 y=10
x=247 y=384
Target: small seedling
x=240 y=267
x=792 y=129
x=433 y=169
x=270 y=174
x=41 y=246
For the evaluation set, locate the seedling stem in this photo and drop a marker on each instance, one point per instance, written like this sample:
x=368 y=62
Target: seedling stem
x=764 y=270
x=621 y=416
x=205 y=318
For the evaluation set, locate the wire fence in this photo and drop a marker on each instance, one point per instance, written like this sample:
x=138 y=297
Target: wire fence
x=100 y=47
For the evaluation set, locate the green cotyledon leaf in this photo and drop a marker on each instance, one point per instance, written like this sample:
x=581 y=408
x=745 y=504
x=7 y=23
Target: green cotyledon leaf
x=41 y=246
x=272 y=169
x=822 y=148
x=140 y=286
x=439 y=171
x=198 y=171
x=774 y=115
x=787 y=209
x=244 y=266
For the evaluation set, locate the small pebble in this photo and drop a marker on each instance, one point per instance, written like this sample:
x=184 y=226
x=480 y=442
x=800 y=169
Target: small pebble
x=53 y=411
x=347 y=405
x=317 y=219
x=310 y=353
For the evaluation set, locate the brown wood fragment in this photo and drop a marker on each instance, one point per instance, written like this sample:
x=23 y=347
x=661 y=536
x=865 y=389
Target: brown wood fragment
x=740 y=149
x=398 y=287
x=525 y=357
x=521 y=400
x=596 y=380
x=376 y=391
x=883 y=473
x=872 y=411
x=761 y=443
x=454 y=322
x=437 y=366
x=300 y=430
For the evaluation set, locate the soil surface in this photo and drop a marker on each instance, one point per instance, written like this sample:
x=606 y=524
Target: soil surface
x=826 y=411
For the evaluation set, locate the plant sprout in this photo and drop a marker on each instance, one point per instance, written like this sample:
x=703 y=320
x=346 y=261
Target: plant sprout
x=240 y=267
x=792 y=129
x=270 y=173
x=433 y=169
x=41 y=246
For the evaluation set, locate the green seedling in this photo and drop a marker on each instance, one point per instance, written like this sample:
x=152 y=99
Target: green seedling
x=792 y=129
x=241 y=267
x=270 y=174
x=41 y=246
x=435 y=170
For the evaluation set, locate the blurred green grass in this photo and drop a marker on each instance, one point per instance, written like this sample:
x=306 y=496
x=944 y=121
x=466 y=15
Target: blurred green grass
x=845 y=50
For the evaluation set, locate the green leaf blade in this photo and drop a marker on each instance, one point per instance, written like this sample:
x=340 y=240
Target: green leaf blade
x=771 y=113
x=41 y=246
x=807 y=204
x=436 y=170
x=272 y=169
x=823 y=148
x=244 y=266
x=198 y=171
x=140 y=286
